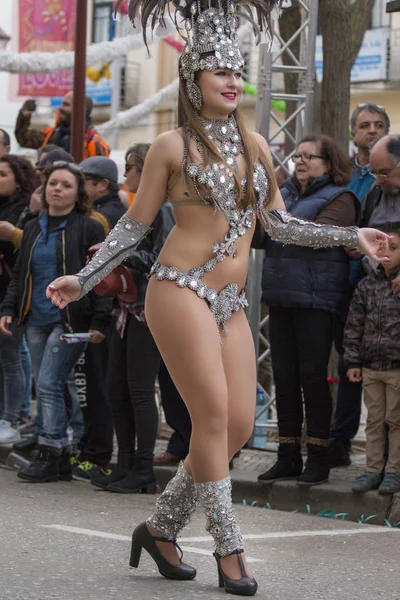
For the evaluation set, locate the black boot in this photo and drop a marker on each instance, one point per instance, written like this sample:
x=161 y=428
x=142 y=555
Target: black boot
x=124 y=465
x=27 y=445
x=64 y=466
x=140 y=478
x=288 y=466
x=45 y=467
x=317 y=465
x=339 y=452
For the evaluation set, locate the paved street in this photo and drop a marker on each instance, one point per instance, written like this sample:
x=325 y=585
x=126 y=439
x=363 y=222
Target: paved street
x=66 y=541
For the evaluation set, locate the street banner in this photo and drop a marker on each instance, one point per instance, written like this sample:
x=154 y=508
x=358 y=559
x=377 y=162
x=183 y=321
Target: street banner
x=371 y=63
x=46 y=26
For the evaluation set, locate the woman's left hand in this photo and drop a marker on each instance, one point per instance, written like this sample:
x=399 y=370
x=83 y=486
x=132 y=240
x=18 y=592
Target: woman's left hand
x=98 y=337
x=373 y=243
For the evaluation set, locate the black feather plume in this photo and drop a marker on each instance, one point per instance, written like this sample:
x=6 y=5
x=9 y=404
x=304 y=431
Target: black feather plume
x=152 y=12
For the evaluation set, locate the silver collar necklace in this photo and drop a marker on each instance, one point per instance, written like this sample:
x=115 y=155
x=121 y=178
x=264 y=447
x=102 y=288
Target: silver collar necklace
x=225 y=136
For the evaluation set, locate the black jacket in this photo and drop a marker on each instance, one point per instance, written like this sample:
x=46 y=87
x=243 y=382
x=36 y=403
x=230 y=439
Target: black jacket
x=369 y=204
x=111 y=207
x=72 y=243
x=10 y=210
x=141 y=261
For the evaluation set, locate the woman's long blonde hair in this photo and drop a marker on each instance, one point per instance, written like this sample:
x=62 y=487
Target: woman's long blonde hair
x=252 y=152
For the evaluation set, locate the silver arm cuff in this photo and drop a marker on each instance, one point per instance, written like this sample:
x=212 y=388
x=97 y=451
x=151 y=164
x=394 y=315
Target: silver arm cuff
x=118 y=245
x=284 y=228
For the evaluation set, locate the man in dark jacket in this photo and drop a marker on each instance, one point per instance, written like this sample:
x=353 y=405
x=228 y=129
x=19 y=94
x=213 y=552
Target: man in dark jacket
x=382 y=203
x=101 y=175
x=95 y=448
x=60 y=133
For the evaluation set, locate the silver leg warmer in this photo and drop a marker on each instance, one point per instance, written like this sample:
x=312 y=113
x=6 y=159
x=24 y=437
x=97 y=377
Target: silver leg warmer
x=284 y=228
x=216 y=497
x=175 y=506
x=119 y=244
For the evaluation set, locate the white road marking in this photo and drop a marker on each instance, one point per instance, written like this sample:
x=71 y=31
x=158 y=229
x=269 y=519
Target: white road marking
x=294 y=534
x=364 y=529
x=127 y=538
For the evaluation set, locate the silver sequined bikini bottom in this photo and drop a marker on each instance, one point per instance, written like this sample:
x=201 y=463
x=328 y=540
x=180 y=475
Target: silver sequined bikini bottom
x=222 y=304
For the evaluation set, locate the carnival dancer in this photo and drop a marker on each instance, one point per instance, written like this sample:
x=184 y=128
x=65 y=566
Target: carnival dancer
x=219 y=177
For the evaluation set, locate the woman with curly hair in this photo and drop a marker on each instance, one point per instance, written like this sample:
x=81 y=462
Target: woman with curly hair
x=55 y=243
x=17 y=182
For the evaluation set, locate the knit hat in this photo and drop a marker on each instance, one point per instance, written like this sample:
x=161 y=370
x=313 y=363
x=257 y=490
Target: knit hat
x=55 y=155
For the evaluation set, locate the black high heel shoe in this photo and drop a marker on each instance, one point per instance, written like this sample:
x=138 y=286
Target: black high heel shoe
x=245 y=586
x=142 y=538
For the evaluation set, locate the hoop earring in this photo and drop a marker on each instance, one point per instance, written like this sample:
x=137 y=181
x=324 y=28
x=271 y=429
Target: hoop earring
x=194 y=94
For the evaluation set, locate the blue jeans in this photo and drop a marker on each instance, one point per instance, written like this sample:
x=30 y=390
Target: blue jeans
x=25 y=409
x=74 y=411
x=76 y=420
x=52 y=362
x=12 y=391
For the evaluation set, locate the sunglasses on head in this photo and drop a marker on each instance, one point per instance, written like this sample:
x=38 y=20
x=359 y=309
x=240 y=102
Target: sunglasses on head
x=364 y=104
x=66 y=165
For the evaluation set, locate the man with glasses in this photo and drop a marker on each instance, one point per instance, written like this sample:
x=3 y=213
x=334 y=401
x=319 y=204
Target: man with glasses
x=368 y=123
x=382 y=203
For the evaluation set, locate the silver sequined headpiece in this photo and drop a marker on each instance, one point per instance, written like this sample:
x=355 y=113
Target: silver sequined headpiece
x=212 y=43
x=213 y=31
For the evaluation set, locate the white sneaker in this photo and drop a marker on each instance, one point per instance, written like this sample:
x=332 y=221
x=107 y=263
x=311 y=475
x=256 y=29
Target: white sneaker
x=8 y=434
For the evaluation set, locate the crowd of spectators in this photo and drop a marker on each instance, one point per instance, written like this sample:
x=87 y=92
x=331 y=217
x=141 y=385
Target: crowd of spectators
x=93 y=366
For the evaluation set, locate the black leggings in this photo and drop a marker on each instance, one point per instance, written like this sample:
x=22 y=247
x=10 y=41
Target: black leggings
x=133 y=367
x=301 y=342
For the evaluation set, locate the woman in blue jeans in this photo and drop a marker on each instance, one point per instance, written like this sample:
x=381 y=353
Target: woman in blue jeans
x=57 y=242
x=17 y=182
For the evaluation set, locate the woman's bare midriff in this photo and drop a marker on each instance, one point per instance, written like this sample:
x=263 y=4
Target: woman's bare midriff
x=190 y=243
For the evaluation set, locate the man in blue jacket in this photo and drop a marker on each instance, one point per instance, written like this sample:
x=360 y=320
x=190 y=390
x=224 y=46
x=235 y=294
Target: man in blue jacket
x=368 y=123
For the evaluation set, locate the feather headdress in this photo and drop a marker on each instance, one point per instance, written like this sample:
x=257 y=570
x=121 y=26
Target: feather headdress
x=152 y=12
x=211 y=38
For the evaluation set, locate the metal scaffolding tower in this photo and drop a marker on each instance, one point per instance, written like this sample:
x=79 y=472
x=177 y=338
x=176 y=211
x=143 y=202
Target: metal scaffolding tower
x=270 y=65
